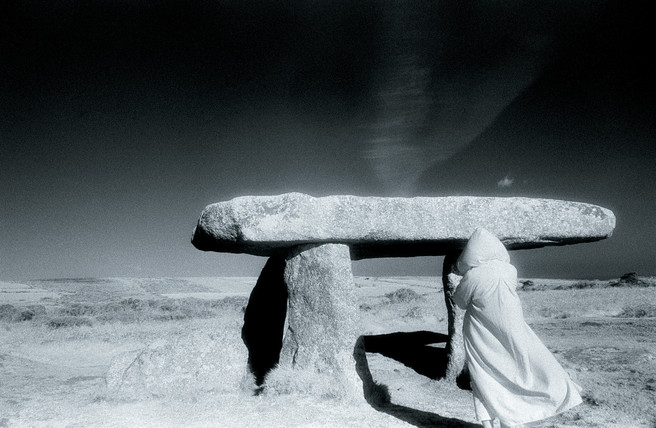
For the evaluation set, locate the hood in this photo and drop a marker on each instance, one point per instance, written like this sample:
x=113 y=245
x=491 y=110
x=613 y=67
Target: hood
x=482 y=247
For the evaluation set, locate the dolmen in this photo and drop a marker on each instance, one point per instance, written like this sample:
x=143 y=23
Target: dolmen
x=311 y=241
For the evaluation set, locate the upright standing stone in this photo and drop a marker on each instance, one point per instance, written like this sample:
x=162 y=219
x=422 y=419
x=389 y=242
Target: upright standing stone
x=264 y=319
x=455 y=346
x=322 y=321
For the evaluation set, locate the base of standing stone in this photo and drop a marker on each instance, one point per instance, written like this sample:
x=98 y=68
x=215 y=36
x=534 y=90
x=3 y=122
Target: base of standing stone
x=340 y=384
x=322 y=319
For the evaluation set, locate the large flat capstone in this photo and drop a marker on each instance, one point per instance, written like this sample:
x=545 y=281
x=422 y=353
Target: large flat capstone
x=394 y=227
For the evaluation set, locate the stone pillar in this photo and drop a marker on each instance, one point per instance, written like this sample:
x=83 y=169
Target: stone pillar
x=322 y=320
x=264 y=319
x=455 y=348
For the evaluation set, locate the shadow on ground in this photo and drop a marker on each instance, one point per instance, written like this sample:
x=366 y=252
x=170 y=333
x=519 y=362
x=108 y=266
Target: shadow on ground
x=412 y=350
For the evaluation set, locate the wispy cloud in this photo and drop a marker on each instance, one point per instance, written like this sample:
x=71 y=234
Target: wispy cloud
x=431 y=105
x=505 y=182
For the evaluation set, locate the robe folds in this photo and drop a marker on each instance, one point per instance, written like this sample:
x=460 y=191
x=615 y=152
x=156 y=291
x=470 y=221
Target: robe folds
x=514 y=376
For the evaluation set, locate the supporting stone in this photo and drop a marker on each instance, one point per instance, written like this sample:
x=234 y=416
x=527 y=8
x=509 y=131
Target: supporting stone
x=317 y=352
x=264 y=319
x=455 y=346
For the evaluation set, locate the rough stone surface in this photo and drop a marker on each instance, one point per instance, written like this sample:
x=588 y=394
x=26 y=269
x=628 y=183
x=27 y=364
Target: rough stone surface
x=322 y=322
x=455 y=346
x=194 y=363
x=394 y=227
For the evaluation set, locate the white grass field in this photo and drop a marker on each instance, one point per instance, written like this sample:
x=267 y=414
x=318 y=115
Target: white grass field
x=58 y=339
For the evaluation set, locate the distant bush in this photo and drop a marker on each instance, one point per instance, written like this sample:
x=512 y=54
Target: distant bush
x=69 y=321
x=645 y=310
x=403 y=295
x=553 y=313
x=590 y=398
x=78 y=309
x=10 y=313
x=414 y=312
x=526 y=284
x=631 y=279
x=579 y=285
x=365 y=307
x=32 y=311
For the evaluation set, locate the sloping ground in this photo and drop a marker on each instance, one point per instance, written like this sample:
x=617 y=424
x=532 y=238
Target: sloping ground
x=53 y=374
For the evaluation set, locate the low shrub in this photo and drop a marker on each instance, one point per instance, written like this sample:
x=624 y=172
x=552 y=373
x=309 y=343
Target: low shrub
x=580 y=285
x=631 y=279
x=554 y=313
x=78 y=309
x=69 y=321
x=9 y=313
x=526 y=284
x=403 y=295
x=645 y=310
x=591 y=399
x=414 y=312
x=32 y=311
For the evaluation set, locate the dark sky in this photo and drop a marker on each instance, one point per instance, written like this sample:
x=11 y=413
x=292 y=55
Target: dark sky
x=121 y=120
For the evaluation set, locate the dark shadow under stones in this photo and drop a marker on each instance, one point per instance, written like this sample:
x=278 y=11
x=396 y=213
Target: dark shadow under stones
x=412 y=350
x=264 y=319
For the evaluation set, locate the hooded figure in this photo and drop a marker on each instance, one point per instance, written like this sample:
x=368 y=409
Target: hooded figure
x=514 y=376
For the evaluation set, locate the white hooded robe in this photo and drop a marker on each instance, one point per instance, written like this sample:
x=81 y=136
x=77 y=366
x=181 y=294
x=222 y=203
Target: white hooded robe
x=514 y=376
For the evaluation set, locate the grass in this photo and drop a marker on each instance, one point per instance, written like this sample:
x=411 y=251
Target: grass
x=125 y=311
x=628 y=280
x=586 y=302
x=93 y=321
x=625 y=297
